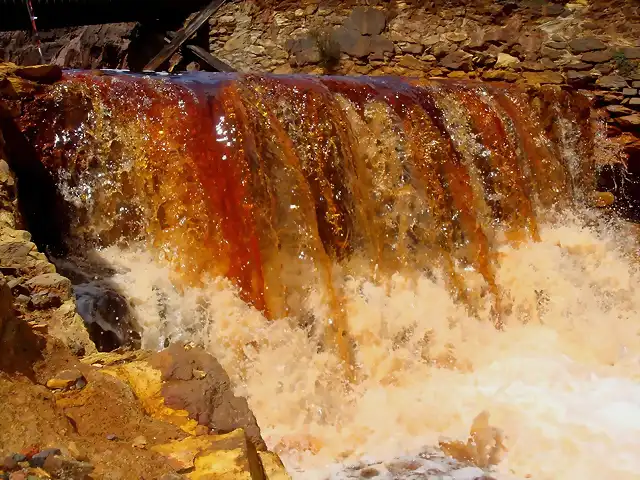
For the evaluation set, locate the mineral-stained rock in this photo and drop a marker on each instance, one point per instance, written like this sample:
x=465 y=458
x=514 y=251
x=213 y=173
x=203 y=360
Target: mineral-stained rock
x=49 y=289
x=500 y=75
x=629 y=92
x=612 y=81
x=541 y=78
x=586 y=44
x=579 y=78
x=367 y=21
x=227 y=456
x=272 y=466
x=304 y=50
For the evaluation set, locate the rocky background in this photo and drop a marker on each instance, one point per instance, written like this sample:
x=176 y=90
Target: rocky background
x=70 y=412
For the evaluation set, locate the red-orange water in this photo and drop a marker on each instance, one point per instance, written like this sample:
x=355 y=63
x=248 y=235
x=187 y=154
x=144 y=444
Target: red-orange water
x=260 y=178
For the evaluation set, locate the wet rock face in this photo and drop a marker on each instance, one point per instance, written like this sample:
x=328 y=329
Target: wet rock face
x=194 y=381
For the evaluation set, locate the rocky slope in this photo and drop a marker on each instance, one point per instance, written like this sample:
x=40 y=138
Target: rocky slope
x=71 y=412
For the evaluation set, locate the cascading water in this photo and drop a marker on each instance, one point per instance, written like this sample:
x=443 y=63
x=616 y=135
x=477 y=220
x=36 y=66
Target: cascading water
x=423 y=252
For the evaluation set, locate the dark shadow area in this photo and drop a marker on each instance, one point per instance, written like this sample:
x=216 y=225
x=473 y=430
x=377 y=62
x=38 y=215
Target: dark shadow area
x=110 y=320
x=624 y=182
x=70 y=13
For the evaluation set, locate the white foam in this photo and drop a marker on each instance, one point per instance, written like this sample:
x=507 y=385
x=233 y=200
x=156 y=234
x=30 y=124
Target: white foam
x=562 y=381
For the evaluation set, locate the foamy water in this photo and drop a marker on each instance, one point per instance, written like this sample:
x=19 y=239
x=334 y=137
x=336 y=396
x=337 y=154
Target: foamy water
x=562 y=381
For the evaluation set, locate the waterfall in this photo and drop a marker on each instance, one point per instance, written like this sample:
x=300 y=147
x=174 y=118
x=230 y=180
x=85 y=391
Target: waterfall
x=374 y=260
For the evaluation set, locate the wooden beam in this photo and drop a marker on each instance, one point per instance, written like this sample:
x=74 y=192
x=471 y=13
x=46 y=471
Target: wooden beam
x=215 y=63
x=184 y=34
x=212 y=61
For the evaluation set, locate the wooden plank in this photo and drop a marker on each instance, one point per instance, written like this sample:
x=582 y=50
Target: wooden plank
x=184 y=34
x=215 y=63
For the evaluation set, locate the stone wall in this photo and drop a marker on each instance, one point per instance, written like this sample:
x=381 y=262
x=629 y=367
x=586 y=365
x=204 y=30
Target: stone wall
x=586 y=44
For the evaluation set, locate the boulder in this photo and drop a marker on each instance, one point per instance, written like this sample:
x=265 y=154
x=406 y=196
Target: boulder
x=352 y=42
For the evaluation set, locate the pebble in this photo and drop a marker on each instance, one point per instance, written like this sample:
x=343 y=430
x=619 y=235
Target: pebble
x=39 y=458
x=9 y=463
x=65 y=379
x=139 y=442
x=112 y=437
x=19 y=457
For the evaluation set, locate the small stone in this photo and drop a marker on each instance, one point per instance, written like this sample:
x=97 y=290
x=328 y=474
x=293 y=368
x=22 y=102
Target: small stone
x=619 y=110
x=456 y=74
x=635 y=84
x=369 y=472
x=541 y=78
x=139 y=442
x=456 y=37
x=112 y=437
x=500 y=75
x=578 y=66
x=631 y=53
x=19 y=457
x=413 y=48
x=586 y=44
x=18 y=476
x=256 y=49
x=604 y=68
x=575 y=77
x=557 y=45
x=9 y=463
x=506 y=61
x=629 y=120
x=70 y=468
x=65 y=379
x=612 y=81
x=629 y=92
x=457 y=60
x=409 y=61
x=39 y=458
x=533 y=66
x=634 y=102
x=600 y=56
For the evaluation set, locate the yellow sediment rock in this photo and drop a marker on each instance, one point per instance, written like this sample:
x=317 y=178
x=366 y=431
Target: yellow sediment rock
x=273 y=467
x=221 y=457
x=146 y=383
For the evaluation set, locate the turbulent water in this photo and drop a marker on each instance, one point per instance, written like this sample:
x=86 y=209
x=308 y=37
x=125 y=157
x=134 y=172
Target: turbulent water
x=375 y=262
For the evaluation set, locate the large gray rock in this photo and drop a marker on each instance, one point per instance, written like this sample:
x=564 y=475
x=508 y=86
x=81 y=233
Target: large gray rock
x=352 y=42
x=366 y=21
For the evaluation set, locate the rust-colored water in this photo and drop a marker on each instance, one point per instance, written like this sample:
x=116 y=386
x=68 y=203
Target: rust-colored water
x=262 y=178
x=396 y=222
